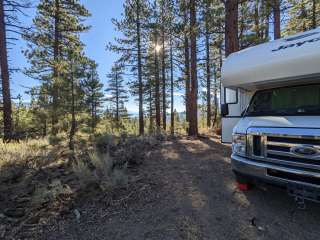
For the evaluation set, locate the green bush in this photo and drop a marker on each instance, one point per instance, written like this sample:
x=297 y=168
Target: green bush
x=105 y=143
x=55 y=140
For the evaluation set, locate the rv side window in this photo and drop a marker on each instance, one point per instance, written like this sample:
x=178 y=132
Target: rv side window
x=231 y=95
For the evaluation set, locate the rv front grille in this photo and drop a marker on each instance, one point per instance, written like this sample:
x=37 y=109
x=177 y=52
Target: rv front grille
x=257 y=145
x=294 y=140
x=280 y=150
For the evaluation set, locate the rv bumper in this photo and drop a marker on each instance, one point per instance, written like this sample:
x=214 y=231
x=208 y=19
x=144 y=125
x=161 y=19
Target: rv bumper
x=260 y=171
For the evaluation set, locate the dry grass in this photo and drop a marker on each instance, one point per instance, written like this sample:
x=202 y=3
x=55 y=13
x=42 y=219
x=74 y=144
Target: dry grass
x=100 y=170
x=21 y=152
x=15 y=158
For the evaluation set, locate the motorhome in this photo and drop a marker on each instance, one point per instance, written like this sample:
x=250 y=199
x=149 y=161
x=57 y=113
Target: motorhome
x=270 y=106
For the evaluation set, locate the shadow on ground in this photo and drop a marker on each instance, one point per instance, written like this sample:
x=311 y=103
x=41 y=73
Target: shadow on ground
x=187 y=191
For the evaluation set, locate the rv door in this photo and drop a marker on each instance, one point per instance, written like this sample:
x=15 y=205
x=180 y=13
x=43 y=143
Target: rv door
x=234 y=101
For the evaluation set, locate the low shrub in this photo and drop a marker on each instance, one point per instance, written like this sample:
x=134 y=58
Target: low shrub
x=100 y=170
x=55 y=140
x=53 y=192
x=105 y=143
x=83 y=172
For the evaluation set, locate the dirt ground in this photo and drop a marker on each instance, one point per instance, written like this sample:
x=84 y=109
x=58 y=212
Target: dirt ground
x=186 y=190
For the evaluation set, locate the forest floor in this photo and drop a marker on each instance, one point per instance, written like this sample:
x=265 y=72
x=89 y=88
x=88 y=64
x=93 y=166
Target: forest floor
x=184 y=190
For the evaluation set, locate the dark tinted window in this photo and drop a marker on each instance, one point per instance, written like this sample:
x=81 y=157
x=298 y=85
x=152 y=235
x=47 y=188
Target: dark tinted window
x=298 y=100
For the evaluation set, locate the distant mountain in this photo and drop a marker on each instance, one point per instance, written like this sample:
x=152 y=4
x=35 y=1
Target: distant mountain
x=182 y=115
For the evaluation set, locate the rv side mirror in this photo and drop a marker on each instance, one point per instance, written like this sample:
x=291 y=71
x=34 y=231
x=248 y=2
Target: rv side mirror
x=224 y=109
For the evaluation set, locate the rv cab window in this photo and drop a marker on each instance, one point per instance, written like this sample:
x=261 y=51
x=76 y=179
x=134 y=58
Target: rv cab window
x=286 y=101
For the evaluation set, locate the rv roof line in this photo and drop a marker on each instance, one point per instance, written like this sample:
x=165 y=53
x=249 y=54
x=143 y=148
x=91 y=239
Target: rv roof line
x=275 y=63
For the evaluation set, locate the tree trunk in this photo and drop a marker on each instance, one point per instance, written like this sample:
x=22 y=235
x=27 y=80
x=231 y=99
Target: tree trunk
x=276 y=18
x=186 y=62
x=56 y=53
x=164 y=97
x=117 y=99
x=138 y=29
x=157 y=83
x=93 y=110
x=150 y=110
x=231 y=27
x=171 y=88
x=44 y=128
x=267 y=18
x=208 y=70
x=7 y=108
x=314 y=14
x=193 y=126
x=73 y=114
x=257 y=21
x=215 y=97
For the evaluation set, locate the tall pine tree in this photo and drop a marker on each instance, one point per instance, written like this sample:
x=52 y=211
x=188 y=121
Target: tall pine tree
x=117 y=92
x=56 y=28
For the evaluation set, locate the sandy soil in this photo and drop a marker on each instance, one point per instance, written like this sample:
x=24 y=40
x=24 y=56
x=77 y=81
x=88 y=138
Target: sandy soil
x=186 y=190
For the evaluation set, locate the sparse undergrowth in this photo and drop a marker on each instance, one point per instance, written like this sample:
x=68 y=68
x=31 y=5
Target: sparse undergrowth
x=107 y=163
x=37 y=180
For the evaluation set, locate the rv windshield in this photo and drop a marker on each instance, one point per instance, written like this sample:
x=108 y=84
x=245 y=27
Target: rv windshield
x=298 y=100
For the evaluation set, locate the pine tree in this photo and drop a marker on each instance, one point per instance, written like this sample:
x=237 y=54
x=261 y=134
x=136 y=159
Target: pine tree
x=149 y=88
x=132 y=46
x=172 y=32
x=93 y=90
x=39 y=109
x=193 y=118
x=186 y=46
x=56 y=27
x=9 y=22
x=74 y=91
x=231 y=26
x=275 y=4
x=117 y=92
x=303 y=15
x=7 y=108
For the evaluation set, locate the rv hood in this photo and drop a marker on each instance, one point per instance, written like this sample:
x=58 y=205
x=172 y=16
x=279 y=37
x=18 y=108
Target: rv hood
x=280 y=121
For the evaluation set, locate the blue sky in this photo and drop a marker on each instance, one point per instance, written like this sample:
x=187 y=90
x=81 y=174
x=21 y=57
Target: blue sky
x=101 y=32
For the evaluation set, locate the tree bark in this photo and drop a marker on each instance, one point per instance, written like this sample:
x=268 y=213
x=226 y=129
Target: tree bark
x=163 y=68
x=56 y=53
x=186 y=62
x=164 y=94
x=193 y=126
x=231 y=27
x=215 y=97
x=157 y=83
x=208 y=70
x=93 y=110
x=7 y=108
x=257 y=21
x=171 y=88
x=314 y=14
x=267 y=18
x=117 y=98
x=73 y=113
x=138 y=29
x=276 y=19
x=150 y=110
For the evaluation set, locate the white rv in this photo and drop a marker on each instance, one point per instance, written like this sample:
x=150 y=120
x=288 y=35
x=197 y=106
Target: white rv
x=271 y=113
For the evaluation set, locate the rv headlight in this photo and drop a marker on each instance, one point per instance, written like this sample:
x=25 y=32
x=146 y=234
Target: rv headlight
x=239 y=144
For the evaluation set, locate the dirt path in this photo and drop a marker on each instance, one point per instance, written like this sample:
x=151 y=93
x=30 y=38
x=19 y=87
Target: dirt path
x=187 y=191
